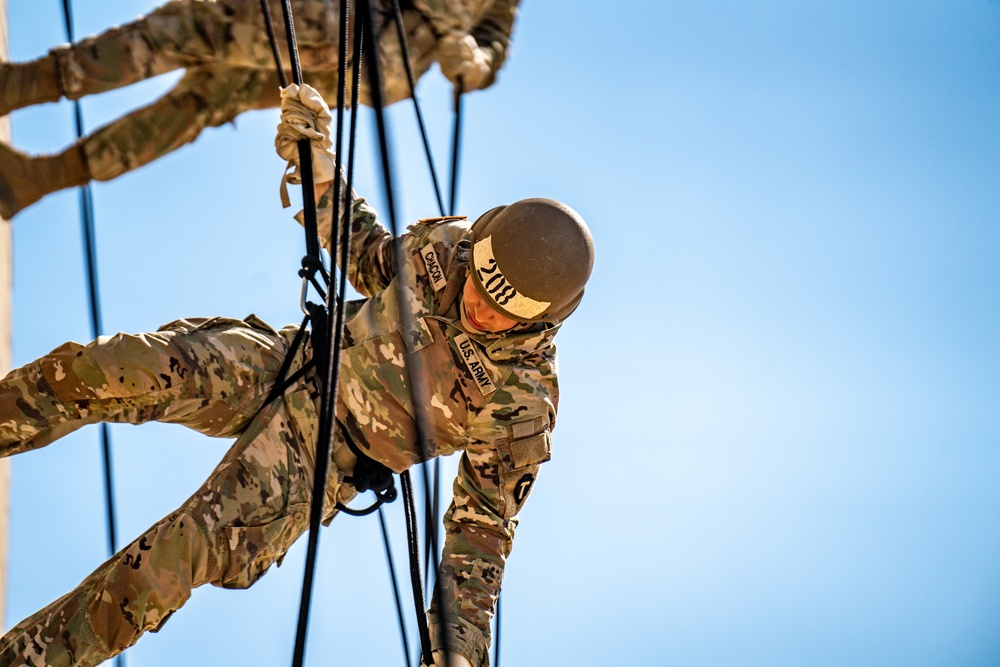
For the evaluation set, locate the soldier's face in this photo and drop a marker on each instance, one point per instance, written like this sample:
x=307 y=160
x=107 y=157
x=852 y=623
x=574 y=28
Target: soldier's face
x=480 y=313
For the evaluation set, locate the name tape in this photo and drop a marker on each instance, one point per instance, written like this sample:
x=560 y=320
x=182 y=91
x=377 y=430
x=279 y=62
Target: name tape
x=470 y=355
x=433 y=266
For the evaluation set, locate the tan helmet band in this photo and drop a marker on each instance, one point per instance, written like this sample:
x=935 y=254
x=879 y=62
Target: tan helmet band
x=499 y=289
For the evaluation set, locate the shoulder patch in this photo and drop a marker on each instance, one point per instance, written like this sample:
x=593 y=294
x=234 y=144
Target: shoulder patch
x=523 y=488
x=433 y=266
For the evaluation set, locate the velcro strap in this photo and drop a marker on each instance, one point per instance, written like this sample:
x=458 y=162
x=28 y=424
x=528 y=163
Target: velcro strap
x=528 y=428
x=530 y=451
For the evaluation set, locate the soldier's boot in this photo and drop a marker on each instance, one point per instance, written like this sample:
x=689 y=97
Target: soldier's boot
x=24 y=179
x=24 y=84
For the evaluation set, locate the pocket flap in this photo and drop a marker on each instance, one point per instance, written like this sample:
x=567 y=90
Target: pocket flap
x=418 y=336
x=529 y=451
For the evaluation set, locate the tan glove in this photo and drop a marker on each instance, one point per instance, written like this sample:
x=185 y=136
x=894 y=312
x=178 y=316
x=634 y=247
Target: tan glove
x=460 y=57
x=304 y=115
x=455 y=660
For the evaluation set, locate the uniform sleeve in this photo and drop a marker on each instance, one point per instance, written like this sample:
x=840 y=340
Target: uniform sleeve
x=371 y=261
x=496 y=473
x=491 y=29
x=492 y=34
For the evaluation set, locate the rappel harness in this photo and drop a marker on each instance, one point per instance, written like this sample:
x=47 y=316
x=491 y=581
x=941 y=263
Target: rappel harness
x=327 y=318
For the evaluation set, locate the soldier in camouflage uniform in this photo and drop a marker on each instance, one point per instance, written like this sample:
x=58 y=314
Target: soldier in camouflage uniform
x=229 y=69
x=487 y=301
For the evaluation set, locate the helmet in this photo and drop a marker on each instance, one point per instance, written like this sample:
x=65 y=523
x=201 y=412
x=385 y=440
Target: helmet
x=531 y=259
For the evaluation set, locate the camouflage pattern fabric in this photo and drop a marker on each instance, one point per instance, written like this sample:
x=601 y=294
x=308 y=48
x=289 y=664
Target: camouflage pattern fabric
x=210 y=375
x=223 y=46
x=491 y=396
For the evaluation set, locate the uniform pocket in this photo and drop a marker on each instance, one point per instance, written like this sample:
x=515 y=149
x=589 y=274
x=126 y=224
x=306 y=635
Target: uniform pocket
x=252 y=549
x=520 y=461
x=524 y=452
x=187 y=325
x=479 y=593
x=418 y=336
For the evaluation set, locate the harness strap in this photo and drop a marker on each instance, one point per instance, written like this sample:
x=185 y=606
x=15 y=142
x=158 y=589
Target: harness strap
x=369 y=474
x=282 y=383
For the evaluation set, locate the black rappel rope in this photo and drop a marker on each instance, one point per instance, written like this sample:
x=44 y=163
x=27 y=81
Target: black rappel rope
x=456 y=144
x=345 y=243
x=411 y=79
x=308 y=262
x=327 y=331
x=327 y=352
x=407 y=317
x=89 y=233
x=432 y=500
x=338 y=323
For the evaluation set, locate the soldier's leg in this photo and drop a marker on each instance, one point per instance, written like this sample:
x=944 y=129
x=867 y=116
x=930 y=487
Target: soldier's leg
x=24 y=179
x=178 y=34
x=210 y=375
x=204 y=97
x=171 y=37
x=249 y=512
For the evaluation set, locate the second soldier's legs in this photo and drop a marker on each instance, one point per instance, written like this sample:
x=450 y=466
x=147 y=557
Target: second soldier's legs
x=178 y=34
x=204 y=97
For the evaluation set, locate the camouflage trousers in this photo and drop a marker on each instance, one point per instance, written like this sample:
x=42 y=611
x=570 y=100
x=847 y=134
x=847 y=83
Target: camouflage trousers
x=223 y=46
x=213 y=376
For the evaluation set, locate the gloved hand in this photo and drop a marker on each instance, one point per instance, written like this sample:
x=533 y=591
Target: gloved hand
x=304 y=115
x=455 y=660
x=460 y=56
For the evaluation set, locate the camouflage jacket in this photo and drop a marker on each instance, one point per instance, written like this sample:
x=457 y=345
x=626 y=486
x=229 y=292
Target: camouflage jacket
x=492 y=396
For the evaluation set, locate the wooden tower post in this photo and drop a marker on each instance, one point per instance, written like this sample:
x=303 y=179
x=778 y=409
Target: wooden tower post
x=5 y=298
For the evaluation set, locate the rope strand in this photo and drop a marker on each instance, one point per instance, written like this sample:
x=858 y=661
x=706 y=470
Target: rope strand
x=456 y=144
x=395 y=588
x=326 y=349
x=89 y=233
x=272 y=39
x=411 y=79
x=413 y=375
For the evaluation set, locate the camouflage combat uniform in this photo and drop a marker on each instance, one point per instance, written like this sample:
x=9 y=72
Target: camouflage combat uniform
x=491 y=396
x=223 y=46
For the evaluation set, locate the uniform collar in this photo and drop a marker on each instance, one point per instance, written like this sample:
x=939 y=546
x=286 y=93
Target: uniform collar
x=510 y=346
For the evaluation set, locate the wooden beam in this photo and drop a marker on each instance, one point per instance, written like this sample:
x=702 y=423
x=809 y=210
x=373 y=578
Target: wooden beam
x=5 y=330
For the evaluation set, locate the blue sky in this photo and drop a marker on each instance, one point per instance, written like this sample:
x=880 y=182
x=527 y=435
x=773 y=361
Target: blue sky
x=779 y=439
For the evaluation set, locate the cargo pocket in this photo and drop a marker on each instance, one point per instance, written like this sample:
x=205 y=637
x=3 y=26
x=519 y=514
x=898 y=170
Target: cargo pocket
x=480 y=591
x=252 y=549
x=519 y=464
